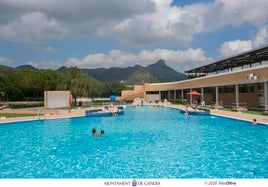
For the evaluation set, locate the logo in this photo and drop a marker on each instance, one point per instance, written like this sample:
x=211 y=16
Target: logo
x=134 y=182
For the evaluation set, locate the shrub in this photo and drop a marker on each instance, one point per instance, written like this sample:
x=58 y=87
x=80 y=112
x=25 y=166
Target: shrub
x=25 y=105
x=178 y=101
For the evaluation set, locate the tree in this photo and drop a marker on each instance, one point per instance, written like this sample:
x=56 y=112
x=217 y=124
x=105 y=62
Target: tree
x=2 y=84
x=113 y=88
x=6 y=74
x=50 y=79
x=29 y=83
x=95 y=89
x=76 y=81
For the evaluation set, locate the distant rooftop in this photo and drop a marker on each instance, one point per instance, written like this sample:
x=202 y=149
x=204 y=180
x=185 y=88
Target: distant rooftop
x=247 y=58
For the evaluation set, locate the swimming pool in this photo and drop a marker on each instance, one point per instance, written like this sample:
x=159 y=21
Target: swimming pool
x=143 y=143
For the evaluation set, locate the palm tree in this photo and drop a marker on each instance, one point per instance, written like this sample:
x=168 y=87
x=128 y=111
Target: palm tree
x=76 y=81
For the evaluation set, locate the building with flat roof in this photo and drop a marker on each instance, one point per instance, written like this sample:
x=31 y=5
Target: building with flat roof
x=239 y=81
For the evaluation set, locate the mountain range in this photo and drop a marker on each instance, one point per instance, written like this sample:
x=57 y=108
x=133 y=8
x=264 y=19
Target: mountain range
x=157 y=72
x=154 y=73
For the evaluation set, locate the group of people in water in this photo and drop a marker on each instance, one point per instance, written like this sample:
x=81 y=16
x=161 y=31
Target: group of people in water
x=95 y=133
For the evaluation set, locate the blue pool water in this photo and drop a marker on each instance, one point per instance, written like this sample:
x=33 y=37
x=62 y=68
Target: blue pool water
x=143 y=143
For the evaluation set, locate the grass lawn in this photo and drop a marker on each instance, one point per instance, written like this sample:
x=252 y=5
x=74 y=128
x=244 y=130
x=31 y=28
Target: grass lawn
x=255 y=112
x=15 y=115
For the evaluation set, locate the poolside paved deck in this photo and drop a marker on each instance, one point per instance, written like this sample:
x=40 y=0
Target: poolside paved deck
x=81 y=112
x=73 y=113
x=236 y=115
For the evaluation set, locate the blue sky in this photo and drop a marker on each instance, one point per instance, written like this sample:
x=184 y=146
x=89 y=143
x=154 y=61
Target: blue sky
x=121 y=33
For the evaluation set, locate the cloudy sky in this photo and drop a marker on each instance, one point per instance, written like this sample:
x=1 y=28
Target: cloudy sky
x=121 y=33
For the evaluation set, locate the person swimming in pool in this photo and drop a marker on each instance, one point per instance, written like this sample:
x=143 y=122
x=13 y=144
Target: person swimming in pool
x=254 y=122
x=94 y=132
x=186 y=112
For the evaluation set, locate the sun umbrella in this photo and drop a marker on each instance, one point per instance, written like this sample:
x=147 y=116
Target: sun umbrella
x=112 y=97
x=194 y=93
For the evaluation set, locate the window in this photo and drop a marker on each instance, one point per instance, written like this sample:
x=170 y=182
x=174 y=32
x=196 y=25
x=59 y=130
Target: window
x=246 y=89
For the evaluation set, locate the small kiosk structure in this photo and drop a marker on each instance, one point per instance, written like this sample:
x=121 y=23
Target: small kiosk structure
x=60 y=100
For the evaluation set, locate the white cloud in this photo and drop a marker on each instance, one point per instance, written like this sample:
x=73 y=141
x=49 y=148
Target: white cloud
x=234 y=47
x=5 y=61
x=142 y=22
x=261 y=37
x=166 y=24
x=50 y=49
x=33 y=27
x=45 y=65
x=114 y=58
x=179 y=60
x=230 y=48
x=220 y=13
x=39 y=21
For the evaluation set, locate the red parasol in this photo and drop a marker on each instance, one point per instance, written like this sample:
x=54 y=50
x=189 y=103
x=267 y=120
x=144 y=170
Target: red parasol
x=194 y=93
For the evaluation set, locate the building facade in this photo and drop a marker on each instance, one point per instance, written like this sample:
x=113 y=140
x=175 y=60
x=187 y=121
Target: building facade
x=248 y=87
x=244 y=87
